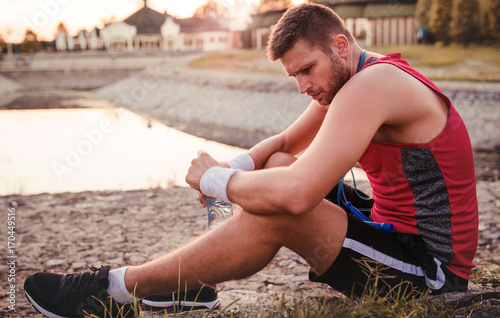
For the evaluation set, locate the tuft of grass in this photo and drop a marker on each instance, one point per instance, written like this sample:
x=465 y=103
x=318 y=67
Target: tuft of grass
x=400 y=302
x=487 y=276
x=397 y=305
x=135 y=310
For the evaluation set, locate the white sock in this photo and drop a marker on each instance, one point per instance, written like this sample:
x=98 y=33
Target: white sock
x=117 y=288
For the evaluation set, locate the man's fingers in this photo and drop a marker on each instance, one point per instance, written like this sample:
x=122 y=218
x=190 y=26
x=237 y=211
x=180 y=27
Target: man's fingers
x=200 y=152
x=201 y=198
x=206 y=158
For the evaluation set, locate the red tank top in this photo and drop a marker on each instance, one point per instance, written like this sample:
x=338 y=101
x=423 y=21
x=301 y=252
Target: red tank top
x=428 y=189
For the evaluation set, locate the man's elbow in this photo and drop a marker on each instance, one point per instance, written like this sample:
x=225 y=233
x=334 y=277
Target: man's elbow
x=299 y=200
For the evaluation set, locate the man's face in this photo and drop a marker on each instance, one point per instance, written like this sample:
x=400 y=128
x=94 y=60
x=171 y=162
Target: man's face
x=317 y=74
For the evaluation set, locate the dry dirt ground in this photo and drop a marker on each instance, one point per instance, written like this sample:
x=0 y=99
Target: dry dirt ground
x=68 y=232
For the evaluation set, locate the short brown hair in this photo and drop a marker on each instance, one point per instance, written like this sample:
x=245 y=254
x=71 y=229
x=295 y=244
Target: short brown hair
x=313 y=23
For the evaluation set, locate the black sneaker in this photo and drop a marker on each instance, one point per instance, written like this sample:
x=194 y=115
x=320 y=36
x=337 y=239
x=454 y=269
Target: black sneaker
x=194 y=299
x=73 y=295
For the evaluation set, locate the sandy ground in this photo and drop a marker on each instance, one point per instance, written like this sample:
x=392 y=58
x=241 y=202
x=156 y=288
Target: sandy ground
x=68 y=232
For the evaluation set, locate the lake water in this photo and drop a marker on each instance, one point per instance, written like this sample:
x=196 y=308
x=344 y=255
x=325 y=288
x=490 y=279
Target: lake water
x=74 y=150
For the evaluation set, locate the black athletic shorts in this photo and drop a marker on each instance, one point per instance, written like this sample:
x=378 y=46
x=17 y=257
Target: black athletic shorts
x=374 y=262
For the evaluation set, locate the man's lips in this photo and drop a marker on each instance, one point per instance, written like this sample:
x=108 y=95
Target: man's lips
x=315 y=96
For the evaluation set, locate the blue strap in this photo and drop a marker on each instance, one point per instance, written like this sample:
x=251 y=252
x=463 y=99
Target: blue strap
x=342 y=199
x=361 y=61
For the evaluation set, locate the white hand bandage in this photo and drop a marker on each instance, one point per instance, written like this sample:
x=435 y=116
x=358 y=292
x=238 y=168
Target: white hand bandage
x=243 y=162
x=214 y=182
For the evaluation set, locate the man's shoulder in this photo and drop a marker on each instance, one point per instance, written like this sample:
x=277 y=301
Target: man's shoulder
x=384 y=78
x=379 y=80
x=381 y=72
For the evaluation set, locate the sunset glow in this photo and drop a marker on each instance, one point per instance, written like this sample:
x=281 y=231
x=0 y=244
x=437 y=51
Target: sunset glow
x=43 y=16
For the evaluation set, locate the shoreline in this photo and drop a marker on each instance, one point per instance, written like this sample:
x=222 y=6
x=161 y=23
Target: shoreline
x=487 y=156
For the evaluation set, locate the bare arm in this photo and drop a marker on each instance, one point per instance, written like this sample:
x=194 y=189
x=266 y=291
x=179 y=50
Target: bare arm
x=349 y=126
x=294 y=139
x=396 y=109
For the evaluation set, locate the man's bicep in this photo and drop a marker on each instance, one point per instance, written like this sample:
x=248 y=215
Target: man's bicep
x=346 y=132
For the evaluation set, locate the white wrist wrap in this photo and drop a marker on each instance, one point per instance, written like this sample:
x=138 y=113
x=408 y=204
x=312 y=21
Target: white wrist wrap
x=243 y=162
x=214 y=182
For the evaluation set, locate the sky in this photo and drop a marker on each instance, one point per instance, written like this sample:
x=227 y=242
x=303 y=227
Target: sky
x=43 y=16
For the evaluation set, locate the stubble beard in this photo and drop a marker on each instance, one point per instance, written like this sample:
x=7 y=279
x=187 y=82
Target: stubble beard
x=339 y=75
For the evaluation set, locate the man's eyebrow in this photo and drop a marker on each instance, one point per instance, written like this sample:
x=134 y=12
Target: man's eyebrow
x=302 y=68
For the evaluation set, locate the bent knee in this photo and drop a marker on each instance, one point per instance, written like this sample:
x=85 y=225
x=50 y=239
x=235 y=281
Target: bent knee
x=279 y=159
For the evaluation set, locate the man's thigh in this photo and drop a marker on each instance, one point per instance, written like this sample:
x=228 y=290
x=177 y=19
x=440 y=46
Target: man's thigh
x=316 y=235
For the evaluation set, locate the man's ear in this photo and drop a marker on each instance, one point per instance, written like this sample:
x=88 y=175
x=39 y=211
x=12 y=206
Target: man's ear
x=340 y=44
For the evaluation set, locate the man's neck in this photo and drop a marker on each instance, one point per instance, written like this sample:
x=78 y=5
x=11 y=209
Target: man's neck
x=354 y=58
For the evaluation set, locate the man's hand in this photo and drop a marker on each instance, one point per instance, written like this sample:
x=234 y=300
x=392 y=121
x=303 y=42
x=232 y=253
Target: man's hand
x=199 y=166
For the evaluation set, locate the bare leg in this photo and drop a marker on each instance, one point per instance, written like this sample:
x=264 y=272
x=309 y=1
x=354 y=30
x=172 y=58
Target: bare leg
x=242 y=246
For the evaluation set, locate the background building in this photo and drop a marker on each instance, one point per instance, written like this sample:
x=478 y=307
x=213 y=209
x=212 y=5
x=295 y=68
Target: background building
x=378 y=22
x=372 y=22
x=150 y=30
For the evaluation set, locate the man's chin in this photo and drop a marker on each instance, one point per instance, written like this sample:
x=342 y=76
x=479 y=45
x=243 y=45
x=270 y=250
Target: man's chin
x=324 y=101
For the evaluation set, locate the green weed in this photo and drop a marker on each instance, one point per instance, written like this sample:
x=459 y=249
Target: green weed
x=401 y=301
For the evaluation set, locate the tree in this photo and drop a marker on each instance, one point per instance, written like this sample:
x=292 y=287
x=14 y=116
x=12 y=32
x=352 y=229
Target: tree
x=30 y=43
x=422 y=12
x=440 y=19
x=108 y=20
x=490 y=17
x=3 y=45
x=212 y=9
x=62 y=27
x=422 y=15
x=464 y=26
x=271 y=5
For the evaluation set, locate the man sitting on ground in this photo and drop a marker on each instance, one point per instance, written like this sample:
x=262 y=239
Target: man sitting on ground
x=366 y=108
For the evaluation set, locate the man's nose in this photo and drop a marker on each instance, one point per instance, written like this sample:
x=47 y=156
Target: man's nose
x=303 y=83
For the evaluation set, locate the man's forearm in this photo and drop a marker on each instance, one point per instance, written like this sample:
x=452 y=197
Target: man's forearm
x=261 y=152
x=259 y=192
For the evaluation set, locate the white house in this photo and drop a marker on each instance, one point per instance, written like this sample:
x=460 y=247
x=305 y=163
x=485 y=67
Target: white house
x=82 y=39
x=61 y=41
x=71 y=42
x=150 y=30
x=171 y=33
x=119 y=36
x=94 y=39
x=194 y=34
